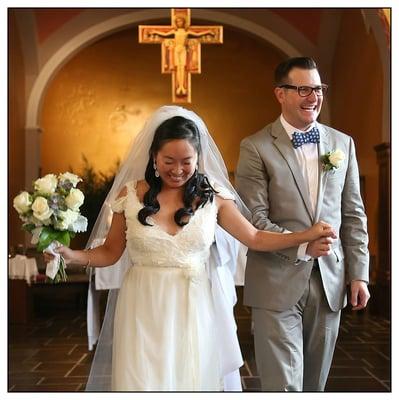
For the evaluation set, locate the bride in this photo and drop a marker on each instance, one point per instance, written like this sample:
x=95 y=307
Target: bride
x=177 y=215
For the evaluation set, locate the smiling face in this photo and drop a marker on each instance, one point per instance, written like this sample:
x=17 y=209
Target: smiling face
x=176 y=161
x=299 y=111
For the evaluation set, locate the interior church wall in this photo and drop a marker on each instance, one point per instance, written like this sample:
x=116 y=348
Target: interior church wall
x=356 y=103
x=16 y=132
x=102 y=96
x=105 y=92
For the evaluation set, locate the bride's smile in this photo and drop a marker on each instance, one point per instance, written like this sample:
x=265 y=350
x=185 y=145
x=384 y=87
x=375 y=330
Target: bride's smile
x=176 y=162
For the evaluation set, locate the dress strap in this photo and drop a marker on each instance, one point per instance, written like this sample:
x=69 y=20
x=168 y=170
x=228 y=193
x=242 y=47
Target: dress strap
x=222 y=192
x=132 y=192
x=131 y=186
x=118 y=205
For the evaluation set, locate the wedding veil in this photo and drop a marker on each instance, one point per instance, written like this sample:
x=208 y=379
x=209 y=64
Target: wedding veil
x=221 y=265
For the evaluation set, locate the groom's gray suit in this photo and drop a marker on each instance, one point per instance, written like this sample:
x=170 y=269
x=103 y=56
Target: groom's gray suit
x=270 y=181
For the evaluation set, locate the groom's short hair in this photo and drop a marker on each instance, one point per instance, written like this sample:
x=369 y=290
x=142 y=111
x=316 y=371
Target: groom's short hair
x=284 y=68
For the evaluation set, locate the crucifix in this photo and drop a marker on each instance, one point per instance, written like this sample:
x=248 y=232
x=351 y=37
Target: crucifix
x=181 y=49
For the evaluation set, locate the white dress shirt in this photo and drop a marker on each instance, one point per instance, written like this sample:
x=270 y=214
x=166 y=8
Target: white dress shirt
x=308 y=159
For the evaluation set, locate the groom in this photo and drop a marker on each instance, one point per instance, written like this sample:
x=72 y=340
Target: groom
x=287 y=180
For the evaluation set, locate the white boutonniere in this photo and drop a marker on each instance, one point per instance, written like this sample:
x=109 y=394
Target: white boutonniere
x=332 y=160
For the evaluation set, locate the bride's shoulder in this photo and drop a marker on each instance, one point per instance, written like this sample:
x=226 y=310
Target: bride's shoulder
x=141 y=189
x=122 y=193
x=128 y=187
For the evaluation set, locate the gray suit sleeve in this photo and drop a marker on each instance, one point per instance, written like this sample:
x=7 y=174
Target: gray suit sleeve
x=252 y=183
x=353 y=231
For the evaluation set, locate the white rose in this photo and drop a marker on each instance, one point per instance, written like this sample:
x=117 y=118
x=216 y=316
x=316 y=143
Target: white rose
x=22 y=202
x=74 y=199
x=336 y=157
x=47 y=184
x=68 y=217
x=74 y=179
x=41 y=210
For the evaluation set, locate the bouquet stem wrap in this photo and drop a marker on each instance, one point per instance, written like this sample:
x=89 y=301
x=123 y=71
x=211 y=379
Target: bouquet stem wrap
x=55 y=269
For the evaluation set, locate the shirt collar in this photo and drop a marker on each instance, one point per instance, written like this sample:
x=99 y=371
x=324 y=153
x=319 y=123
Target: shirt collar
x=291 y=129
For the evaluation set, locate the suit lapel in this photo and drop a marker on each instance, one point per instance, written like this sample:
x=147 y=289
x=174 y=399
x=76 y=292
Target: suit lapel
x=323 y=147
x=284 y=145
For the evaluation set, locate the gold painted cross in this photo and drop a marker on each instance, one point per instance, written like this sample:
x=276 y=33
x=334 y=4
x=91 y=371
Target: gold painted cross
x=181 y=49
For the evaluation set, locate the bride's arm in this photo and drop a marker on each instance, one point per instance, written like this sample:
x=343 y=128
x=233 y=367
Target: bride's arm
x=230 y=219
x=101 y=256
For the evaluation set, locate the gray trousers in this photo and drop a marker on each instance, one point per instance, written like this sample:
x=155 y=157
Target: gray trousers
x=294 y=348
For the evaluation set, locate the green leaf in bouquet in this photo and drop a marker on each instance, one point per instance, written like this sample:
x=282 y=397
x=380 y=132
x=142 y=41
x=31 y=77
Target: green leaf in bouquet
x=64 y=237
x=47 y=235
x=28 y=227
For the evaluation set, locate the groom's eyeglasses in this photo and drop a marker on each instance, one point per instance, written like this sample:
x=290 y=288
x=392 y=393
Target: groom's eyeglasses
x=305 y=91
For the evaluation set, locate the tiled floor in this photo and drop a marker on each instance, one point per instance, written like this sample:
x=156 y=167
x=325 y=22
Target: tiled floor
x=361 y=361
x=50 y=353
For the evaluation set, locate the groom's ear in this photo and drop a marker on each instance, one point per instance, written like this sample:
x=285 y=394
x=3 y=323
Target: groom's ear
x=279 y=93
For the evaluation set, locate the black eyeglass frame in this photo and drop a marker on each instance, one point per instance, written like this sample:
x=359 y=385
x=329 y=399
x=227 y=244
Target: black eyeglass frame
x=323 y=87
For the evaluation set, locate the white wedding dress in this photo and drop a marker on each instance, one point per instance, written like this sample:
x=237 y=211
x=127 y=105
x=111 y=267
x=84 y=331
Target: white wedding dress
x=164 y=336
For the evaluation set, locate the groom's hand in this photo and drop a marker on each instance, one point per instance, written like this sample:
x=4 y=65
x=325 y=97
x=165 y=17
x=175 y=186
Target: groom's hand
x=359 y=295
x=319 y=247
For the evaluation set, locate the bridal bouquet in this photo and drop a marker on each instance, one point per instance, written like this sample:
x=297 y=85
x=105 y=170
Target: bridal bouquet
x=51 y=214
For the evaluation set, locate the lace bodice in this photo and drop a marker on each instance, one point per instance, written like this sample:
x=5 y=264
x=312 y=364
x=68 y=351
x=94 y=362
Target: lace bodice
x=152 y=246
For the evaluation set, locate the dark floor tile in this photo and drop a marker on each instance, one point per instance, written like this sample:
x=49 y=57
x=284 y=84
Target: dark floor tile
x=252 y=384
x=81 y=348
x=46 y=356
x=80 y=370
x=35 y=375
x=25 y=379
x=354 y=384
x=387 y=384
x=69 y=380
x=69 y=340
x=21 y=354
x=381 y=372
x=60 y=367
x=344 y=372
x=348 y=363
x=51 y=354
x=380 y=375
x=383 y=349
x=371 y=357
x=251 y=365
x=244 y=371
x=88 y=358
x=47 y=388
x=22 y=367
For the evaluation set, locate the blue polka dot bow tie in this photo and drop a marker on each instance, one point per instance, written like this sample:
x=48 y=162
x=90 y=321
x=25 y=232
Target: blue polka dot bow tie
x=299 y=138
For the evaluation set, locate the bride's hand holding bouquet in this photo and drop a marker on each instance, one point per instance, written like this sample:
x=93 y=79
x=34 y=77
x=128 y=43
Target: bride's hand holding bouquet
x=51 y=214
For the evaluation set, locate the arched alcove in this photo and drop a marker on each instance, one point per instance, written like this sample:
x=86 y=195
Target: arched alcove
x=74 y=44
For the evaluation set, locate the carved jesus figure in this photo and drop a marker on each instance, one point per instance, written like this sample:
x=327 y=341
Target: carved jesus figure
x=181 y=35
x=181 y=49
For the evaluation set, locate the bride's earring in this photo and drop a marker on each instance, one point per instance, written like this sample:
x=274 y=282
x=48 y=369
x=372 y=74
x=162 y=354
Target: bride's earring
x=156 y=173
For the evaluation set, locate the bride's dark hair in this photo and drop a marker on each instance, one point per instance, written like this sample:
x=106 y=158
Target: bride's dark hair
x=196 y=189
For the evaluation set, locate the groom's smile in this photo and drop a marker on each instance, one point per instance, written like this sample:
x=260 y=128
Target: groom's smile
x=301 y=112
